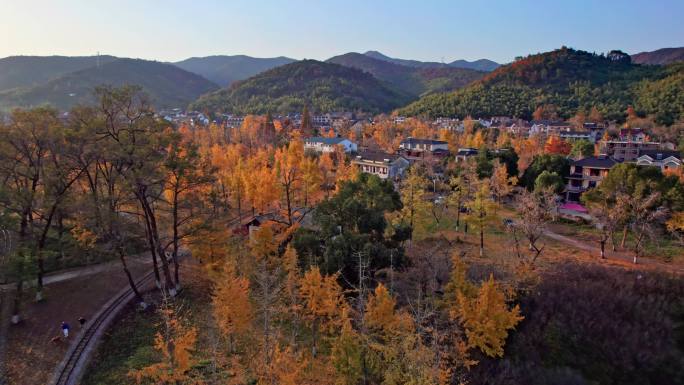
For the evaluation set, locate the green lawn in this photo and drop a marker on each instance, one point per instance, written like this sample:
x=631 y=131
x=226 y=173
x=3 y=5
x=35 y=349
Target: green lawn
x=127 y=345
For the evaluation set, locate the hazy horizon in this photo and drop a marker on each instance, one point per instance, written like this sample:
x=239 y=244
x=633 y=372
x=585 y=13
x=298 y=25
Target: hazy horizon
x=436 y=31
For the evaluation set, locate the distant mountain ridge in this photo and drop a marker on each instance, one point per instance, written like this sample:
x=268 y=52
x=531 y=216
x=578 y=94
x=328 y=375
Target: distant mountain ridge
x=26 y=71
x=660 y=56
x=322 y=87
x=413 y=80
x=225 y=70
x=166 y=84
x=569 y=80
x=479 y=65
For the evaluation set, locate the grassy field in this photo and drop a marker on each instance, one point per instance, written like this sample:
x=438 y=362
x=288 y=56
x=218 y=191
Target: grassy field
x=129 y=343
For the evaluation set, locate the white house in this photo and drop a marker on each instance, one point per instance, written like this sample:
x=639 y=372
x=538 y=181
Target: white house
x=386 y=166
x=666 y=160
x=321 y=144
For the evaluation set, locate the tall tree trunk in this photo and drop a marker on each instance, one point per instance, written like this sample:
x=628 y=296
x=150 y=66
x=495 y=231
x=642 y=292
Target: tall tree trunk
x=175 y=240
x=153 y=251
x=131 y=282
x=168 y=284
x=624 y=237
x=603 y=248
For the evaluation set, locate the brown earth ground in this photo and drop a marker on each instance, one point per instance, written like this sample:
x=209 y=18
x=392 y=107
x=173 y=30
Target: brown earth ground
x=31 y=354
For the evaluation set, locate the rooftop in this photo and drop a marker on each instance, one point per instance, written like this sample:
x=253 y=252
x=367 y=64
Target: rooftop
x=324 y=140
x=377 y=156
x=422 y=141
x=601 y=161
x=661 y=154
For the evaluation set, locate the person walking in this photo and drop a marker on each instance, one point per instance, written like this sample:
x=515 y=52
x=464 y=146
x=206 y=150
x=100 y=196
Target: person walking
x=65 y=329
x=81 y=322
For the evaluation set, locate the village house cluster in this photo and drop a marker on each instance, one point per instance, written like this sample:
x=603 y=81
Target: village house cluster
x=630 y=145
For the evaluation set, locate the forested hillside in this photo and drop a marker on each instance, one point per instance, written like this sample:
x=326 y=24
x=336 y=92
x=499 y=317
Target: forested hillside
x=416 y=81
x=224 y=70
x=324 y=87
x=660 y=56
x=569 y=79
x=26 y=71
x=167 y=85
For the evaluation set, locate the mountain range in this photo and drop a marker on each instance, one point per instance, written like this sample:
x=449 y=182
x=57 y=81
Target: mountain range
x=166 y=84
x=224 y=70
x=480 y=65
x=567 y=81
x=660 y=56
x=566 y=78
x=413 y=80
x=321 y=86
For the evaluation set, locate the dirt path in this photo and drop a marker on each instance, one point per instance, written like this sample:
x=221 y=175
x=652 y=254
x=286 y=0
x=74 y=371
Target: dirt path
x=623 y=257
x=69 y=295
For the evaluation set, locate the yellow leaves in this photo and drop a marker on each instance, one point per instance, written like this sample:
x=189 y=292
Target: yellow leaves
x=263 y=245
x=323 y=299
x=501 y=183
x=84 y=237
x=676 y=222
x=312 y=177
x=487 y=319
x=232 y=306
x=416 y=210
x=382 y=315
x=176 y=344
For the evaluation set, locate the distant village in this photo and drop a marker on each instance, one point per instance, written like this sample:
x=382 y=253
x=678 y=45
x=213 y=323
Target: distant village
x=623 y=145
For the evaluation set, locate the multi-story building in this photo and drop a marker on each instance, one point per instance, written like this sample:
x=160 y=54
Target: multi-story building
x=321 y=144
x=626 y=150
x=384 y=165
x=415 y=149
x=632 y=134
x=572 y=136
x=666 y=160
x=586 y=174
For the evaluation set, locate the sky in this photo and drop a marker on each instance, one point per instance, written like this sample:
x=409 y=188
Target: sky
x=430 y=30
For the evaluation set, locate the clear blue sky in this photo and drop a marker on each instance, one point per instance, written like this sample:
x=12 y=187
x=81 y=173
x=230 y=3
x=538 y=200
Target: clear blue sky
x=436 y=30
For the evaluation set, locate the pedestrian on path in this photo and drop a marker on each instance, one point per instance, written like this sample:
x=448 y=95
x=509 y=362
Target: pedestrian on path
x=81 y=322
x=65 y=329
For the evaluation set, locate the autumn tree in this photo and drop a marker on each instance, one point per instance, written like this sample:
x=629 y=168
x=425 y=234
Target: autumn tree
x=288 y=173
x=608 y=215
x=395 y=352
x=416 y=208
x=645 y=214
x=232 y=306
x=595 y=115
x=675 y=225
x=487 y=318
x=501 y=184
x=324 y=304
x=555 y=145
x=176 y=343
x=482 y=210
x=187 y=175
x=312 y=178
x=535 y=210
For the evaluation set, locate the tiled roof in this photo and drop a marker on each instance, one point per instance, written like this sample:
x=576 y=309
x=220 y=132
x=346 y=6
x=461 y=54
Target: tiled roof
x=601 y=161
x=422 y=141
x=377 y=156
x=664 y=154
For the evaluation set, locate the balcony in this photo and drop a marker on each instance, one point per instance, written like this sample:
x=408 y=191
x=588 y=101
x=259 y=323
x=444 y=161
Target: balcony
x=571 y=188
